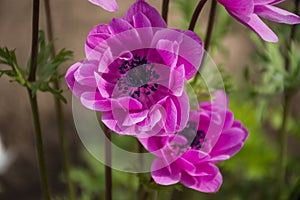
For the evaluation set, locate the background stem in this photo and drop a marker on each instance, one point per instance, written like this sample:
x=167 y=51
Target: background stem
x=64 y=146
x=34 y=43
x=108 y=173
x=33 y=100
x=210 y=26
x=196 y=14
x=165 y=10
x=283 y=134
x=208 y=35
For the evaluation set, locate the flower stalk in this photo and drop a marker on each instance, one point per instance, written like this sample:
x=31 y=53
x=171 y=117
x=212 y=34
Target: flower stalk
x=165 y=10
x=196 y=14
x=108 y=173
x=208 y=35
x=210 y=26
x=33 y=101
x=58 y=108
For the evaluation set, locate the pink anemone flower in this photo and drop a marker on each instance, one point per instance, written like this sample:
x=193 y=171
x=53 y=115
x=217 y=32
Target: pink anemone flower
x=211 y=136
x=248 y=12
x=135 y=73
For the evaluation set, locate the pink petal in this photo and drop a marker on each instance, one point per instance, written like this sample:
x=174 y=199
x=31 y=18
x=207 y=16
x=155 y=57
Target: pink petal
x=257 y=25
x=171 y=116
x=276 y=14
x=267 y=2
x=96 y=36
x=162 y=175
x=188 y=180
x=183 y=107
x=109 y=5
x=168 y=51
x=70 y=79
x=190 y=50
x=140 y=21
x=186 y=165
x=76 y=88
x=177 y=80
x=195 y=156
x=229 y=143
x=127 y=103
x=242 y=7
x=94 y=101
x=151 y=13
x=117 y=25
x=133 y=118
x=104 y=87
x=210 y=183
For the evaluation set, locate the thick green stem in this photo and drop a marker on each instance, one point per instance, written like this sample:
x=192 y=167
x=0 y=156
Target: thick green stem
x=165 y=10
x=64 y=146
x=33 y=101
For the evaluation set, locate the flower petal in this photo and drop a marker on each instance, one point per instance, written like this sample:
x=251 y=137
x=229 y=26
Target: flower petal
x=93 y=101
x=210 y=183
x=96 y=36
x=242 y=7
x=109 y=5
x=162 y=175
x=151 y=13
x=117 y=25
x=257 y=25
x=229 y=143
x=275 y=14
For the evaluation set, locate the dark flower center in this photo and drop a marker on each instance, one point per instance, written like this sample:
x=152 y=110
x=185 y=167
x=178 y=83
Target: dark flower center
x=196 y=138
x=139 y=77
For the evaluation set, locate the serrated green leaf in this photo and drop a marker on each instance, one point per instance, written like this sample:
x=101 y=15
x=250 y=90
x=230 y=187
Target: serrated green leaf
x=8 y=57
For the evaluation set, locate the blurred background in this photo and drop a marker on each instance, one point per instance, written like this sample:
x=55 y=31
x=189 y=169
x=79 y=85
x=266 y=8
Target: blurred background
x=251 y=174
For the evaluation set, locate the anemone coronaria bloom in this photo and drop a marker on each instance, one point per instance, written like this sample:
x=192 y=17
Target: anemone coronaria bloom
x=135 y=73
x=211 y=136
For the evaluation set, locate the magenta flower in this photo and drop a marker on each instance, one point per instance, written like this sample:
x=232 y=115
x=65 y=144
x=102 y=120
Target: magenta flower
x=248 y=12
x=211 y=136
x=109 y=5
x=135 y=73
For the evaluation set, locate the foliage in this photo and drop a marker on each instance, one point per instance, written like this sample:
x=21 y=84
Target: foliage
x=46 y=67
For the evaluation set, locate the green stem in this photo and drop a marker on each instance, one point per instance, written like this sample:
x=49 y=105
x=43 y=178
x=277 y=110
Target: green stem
x=35 y=37
x=33 y=101
x=165 y=10
x=108 y=173
x=196 y=14
x=141 y=189
x=210 y=26
x=64 y=146
x=39 y=145
x=208 y=35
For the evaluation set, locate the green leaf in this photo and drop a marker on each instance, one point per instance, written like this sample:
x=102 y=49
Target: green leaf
x=47 y=66
x=8 y=58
